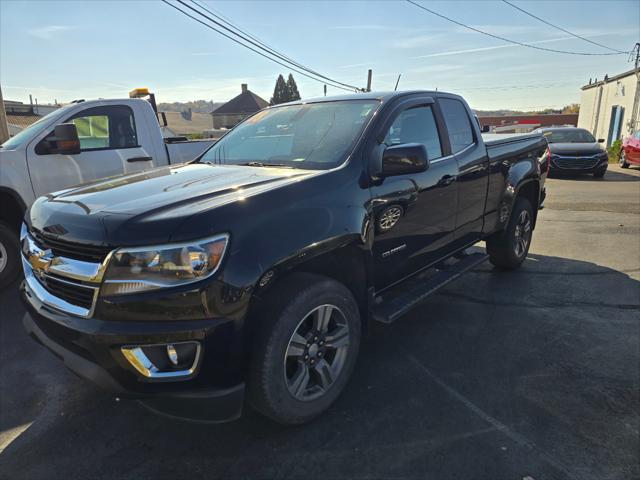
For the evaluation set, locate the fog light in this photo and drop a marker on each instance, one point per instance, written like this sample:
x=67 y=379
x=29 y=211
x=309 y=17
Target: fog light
x=173 y=355
x=165 y=361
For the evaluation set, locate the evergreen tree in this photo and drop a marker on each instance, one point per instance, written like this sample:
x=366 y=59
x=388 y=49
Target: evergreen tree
x=280 y=92
x=292 y=89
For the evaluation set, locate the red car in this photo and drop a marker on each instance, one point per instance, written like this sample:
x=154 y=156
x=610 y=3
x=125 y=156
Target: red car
x=630 y=154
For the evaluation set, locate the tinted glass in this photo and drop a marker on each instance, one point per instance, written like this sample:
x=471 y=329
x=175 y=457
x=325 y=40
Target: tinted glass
x=416 y=125
x=458 y=124
x=568 y=135
x=314 y=136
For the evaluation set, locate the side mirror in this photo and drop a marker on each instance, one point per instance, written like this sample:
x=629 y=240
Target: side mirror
x=601 y=140
x=404 y=159
x=66 y=139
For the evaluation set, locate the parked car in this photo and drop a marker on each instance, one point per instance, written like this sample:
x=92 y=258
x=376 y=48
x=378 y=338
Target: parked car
x=79 y=143
x=575 y=150
x=630 y=153
x=252 y=273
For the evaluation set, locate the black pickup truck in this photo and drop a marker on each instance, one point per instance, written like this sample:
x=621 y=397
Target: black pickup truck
x=253 y=272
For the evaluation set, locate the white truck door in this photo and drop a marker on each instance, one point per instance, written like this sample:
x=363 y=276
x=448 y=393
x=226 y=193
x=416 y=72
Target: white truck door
x=109 y=146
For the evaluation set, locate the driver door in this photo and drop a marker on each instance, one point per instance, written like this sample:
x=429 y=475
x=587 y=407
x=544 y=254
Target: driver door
x=108 y=143
x=415 y=214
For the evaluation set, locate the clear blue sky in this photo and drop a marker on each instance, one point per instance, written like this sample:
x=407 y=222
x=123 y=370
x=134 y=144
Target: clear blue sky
x=86 y=49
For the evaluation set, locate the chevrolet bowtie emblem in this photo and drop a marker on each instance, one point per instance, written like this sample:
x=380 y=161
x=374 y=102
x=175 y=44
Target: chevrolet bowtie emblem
x=41 y=261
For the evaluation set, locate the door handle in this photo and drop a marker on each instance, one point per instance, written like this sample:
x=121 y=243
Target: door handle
x=446 y=180
x=139 y=159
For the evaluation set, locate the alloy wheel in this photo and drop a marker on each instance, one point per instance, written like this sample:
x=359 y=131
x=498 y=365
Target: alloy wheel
x=316 y=353
x=522 y=233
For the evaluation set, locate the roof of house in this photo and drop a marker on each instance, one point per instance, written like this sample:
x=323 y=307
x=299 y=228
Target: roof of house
x=611 y=79
x=184 y=123
x=246 y=102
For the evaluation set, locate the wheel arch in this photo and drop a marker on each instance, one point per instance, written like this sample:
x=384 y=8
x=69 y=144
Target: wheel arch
x=12 y=208
x=348 y=265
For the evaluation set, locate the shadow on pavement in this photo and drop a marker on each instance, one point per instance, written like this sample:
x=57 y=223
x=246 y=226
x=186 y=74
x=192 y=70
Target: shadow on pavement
x=610 y=176
x=501 y=375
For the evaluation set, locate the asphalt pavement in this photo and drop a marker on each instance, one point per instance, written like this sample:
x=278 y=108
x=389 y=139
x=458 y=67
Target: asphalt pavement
x=533 y=374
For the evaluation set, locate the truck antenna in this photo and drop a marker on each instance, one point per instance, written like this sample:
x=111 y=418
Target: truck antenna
x=397 y=82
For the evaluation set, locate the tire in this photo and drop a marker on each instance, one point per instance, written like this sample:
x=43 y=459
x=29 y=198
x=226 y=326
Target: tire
x=622 y=161
x=276 y=380
x=508 y=249
x=9 y=255
x=599 y=174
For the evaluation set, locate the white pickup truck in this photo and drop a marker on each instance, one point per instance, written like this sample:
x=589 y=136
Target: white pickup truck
x=79 y=143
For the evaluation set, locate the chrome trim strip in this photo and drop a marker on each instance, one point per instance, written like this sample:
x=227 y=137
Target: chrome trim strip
x=138 y=360
x=66 y=267
x=34 y=287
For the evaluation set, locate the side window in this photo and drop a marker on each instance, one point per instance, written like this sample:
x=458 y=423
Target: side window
x=416 y=125
x=457 y=121
x=106 y=127
x=93 y=131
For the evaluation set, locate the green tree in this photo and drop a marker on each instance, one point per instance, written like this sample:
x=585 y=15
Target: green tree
x=292 y=88
x=280 y=92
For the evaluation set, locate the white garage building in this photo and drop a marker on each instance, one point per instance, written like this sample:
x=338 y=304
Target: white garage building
x=609 y=108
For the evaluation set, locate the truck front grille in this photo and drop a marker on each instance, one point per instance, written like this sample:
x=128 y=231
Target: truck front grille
x=70 y=292
x=61 y=248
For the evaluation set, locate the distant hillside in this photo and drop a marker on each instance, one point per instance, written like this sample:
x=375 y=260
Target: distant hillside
x=572 y=108
x=196 y=106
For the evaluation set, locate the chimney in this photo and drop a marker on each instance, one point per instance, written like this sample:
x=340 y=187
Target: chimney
x=244 y=88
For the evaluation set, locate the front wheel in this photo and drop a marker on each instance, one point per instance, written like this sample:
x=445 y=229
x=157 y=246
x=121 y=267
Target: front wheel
x=509 y=248
x=623 y=160
x=9 y=255
x=305 y=348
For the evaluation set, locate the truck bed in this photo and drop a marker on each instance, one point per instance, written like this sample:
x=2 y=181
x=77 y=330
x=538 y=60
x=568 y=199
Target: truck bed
x=495 y=139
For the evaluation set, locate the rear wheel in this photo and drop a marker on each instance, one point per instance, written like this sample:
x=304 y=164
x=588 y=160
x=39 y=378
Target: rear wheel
x=623 y=160
x=9 y=251
x=305 y=348
x=509 y=248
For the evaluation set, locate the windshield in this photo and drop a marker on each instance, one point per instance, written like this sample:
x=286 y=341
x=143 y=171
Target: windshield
x=568 y=136
x=24 y=135
x=316 y=136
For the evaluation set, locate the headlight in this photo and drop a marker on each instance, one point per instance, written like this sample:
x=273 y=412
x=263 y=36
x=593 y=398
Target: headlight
x=141 y=269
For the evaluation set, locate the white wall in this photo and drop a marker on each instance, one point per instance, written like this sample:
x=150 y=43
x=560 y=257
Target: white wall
x=615 y=92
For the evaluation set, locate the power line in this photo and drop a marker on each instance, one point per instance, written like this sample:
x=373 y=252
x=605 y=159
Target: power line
x=515 y=42
x=327 y=80
x=259 y=44
x=222 y=18
x=561 y=29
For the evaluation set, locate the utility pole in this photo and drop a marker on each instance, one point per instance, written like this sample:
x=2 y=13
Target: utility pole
x=369 y=75
x=4 y=128
x=325 y=89
x=634 y=121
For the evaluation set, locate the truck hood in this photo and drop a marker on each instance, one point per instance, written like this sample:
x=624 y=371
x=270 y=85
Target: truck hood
x=146 y=208
x=576 y=149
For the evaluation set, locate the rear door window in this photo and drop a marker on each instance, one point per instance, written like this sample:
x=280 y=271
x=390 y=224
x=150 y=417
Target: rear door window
x=458 y=123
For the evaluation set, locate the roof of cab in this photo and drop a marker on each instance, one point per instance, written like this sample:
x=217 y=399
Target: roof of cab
x=379 y=96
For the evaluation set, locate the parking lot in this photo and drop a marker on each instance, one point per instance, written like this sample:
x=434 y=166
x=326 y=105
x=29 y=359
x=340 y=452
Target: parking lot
x=530 y=374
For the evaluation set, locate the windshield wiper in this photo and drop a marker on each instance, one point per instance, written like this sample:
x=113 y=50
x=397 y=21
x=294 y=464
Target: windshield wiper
x=260 y=164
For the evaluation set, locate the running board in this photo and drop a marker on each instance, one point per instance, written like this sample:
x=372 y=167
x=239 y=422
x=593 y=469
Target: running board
x=394 y=303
